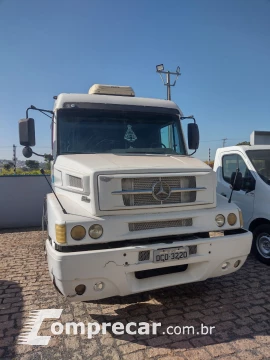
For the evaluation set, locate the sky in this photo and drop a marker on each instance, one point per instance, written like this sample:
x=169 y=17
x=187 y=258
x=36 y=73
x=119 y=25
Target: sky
x=65 y=46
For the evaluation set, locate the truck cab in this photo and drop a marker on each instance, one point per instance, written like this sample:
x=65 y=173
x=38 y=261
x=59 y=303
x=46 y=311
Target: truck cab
x=253 y=197
x=131 y=210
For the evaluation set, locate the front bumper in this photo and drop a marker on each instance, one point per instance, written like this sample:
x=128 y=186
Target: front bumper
x=116 y=268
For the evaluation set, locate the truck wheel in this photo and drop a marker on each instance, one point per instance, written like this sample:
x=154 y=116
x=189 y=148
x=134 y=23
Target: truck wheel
x=261 y=243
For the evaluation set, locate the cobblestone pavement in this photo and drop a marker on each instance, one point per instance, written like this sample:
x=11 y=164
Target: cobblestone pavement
x=237 y=305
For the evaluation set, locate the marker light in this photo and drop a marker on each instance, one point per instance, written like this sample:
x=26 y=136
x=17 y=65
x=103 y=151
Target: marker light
x=241 y=218
x=60 y=233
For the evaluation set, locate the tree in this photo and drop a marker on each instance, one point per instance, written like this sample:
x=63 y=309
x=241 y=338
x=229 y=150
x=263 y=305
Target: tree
x=32 y=164
x=7 y=166
x=211 y=163
x=243 y=143
x=48 y=158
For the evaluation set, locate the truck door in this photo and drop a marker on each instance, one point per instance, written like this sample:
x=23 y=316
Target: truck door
x=245 y=197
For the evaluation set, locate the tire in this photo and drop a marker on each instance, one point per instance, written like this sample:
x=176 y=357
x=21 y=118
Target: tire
x=261 y=243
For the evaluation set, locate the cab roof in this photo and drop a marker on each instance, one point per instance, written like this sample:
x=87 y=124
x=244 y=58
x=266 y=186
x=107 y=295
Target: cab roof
x=66 y=100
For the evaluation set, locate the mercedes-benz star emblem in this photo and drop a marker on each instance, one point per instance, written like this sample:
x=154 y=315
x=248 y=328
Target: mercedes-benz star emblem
x=161 y=191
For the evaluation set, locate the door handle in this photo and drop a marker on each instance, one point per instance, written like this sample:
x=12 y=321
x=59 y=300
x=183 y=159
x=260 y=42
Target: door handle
x=223 y=194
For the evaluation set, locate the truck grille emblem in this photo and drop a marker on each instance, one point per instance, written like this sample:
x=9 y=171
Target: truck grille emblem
x=161 y=191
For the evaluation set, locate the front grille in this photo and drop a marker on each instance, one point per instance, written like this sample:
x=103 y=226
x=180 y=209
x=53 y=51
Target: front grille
x=144 y=274
x=75 y=181
x=149 y=225
x=147 y=184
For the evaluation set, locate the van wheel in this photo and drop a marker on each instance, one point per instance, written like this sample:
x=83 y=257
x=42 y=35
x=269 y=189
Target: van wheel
x=261 y=243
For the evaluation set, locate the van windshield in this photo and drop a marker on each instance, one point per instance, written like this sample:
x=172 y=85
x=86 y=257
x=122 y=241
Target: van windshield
x=103 y=131
x=261 y=162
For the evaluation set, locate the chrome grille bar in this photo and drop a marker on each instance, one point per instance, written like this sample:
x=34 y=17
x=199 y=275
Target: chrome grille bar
x=159 y=190
x=150 y=225
x=141 y=192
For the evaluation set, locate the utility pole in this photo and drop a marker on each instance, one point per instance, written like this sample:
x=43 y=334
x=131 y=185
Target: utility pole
x=160 y=70
x=14 y=158
x=224 y=141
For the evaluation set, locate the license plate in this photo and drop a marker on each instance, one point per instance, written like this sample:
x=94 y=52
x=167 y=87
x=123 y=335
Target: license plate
x=171 y=254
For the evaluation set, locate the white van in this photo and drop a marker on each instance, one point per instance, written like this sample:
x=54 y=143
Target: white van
x=253 y=198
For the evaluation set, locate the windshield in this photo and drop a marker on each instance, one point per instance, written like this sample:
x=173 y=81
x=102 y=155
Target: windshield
x=103 y=131
x=261 y=162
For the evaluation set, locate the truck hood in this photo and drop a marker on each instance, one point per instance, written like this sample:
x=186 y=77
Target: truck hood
x=85 y=163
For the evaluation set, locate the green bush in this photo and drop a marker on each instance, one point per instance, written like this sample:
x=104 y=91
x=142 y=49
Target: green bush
x=22 y=172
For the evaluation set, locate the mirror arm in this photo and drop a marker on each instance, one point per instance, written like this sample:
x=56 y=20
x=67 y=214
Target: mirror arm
x=44 y=156
x=43 y=111
x=188 y=117
x=49 y=156
x=192 y=153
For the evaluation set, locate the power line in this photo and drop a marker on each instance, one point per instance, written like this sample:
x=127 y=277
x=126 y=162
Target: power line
x=38 y=147
x=219 y=140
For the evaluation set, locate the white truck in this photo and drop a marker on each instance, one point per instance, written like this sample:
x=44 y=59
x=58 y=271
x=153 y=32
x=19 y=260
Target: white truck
x=253 y=163
x=132 y=211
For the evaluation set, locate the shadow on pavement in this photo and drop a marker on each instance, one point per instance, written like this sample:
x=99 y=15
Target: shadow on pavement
x=236 y=306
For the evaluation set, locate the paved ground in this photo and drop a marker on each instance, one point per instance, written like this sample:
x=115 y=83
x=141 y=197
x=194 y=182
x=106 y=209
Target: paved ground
x=237 y=305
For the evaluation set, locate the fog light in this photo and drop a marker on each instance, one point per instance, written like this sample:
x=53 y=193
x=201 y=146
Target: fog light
x=220 y=220
x=95 y=231
x=225 y=266
x=80 y=289
x=237 y=263
x=231 y=219
x=78 y=232
x=99 y=286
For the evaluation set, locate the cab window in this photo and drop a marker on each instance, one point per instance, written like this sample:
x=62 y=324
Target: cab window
x=229 y=165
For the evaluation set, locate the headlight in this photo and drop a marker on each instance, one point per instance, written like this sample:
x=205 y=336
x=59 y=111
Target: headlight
x=95 y=231
x=241 y=218
x=78 y=232
x=231 y=219
x=220 y=220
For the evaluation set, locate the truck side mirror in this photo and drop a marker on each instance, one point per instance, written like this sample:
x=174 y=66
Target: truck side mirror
x=27 y=152
x=249 y=184
x=27 y=132
x=193 y=136
x=236 y=180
